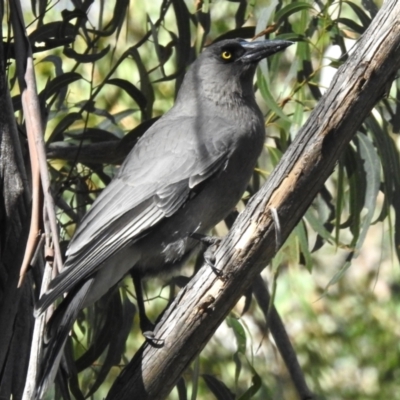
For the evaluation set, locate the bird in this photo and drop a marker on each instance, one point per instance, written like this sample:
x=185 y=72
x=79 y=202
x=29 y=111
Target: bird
x=185 y=174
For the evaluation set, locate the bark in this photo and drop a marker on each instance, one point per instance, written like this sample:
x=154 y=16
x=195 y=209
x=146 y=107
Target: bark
x=203 y=304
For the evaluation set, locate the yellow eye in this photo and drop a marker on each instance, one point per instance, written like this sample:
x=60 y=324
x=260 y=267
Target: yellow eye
x=226 y=55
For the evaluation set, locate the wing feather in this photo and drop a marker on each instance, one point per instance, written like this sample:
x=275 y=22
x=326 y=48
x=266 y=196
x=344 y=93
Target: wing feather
x=152 y=184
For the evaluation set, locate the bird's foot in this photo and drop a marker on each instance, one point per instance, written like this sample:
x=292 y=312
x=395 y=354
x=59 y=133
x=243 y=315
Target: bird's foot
x=151 y=338
x=212 y=243
x=147 y=328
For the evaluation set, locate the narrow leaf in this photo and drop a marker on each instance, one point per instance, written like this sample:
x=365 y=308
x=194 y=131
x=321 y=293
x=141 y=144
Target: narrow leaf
x=218 y=388
x=62 y=126
x=290 y=9
x=268 y=98
x=131 y=90
x=59 y=82
x=85 y=58
x=372 y=170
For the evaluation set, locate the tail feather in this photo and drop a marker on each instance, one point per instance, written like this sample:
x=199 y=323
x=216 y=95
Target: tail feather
x=58 y=330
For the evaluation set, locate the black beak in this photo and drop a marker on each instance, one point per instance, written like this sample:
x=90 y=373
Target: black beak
x=256 y=51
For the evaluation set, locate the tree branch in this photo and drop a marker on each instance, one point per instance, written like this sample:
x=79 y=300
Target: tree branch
x=34 y=128
x=108 y=152
x=203 y=304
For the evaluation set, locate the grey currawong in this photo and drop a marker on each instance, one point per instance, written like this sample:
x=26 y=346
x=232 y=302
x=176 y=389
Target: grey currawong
x=185 y=174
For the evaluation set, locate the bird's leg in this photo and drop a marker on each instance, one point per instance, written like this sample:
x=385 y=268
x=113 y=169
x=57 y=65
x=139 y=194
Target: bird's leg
x=206 y=239
x=212 y=243
x=146 y=326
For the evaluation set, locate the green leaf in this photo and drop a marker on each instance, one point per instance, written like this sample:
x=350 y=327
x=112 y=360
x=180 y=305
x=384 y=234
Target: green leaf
x=52 y=30
x=62 y=126
x=351 y=24
x=268 y=98
x=370 y=157
x=111 y=121
x=195 y=377
x=239 y=332
x=339 y=200
x=254 y=388
x=297 y=120
x=336 y=278
x=274 y=154
x=59 y=82
x=85 y=58
x=364 y=18
x=240 y=336
x=300 y=232
x=56 y=61
x=288 y=252
x=131 y=90
x=290 y=9
x=183 y=46
x=265 y=16
x=356 y=181
x=95 y=135
x=389 y=158
x=118 y=17
x=318 y=226
x=145 y=85
x=218 y=388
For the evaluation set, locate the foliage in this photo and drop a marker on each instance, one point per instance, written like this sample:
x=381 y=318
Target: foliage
x=105 y=70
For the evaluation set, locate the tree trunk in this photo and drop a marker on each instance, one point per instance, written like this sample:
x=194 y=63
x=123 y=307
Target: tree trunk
x=203 y=304
x=16 y=307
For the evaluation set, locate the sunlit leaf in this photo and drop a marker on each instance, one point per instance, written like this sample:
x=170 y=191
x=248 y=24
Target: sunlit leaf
x=364 y=18
x=268 y=98
x=372 y=170
x=304 y=247
x=290 y=9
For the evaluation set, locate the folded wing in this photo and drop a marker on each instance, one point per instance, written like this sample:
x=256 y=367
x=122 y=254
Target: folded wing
x=154 y=182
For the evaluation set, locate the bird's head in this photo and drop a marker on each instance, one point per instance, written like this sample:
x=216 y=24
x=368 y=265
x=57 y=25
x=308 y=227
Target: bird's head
x=239 y=55
x=228 y=66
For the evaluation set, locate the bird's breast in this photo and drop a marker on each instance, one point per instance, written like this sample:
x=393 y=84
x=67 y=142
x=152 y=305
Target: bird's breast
x=169 y=245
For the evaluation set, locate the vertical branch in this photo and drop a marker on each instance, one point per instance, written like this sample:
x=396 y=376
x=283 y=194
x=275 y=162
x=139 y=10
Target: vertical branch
x=34 y=128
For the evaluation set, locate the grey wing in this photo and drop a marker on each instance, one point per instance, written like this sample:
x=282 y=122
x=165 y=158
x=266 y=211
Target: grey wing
x=153 y=183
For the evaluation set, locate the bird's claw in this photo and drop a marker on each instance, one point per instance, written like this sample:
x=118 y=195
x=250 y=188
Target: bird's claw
x=210 y=260
x=150 y=337
x=209 y=257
